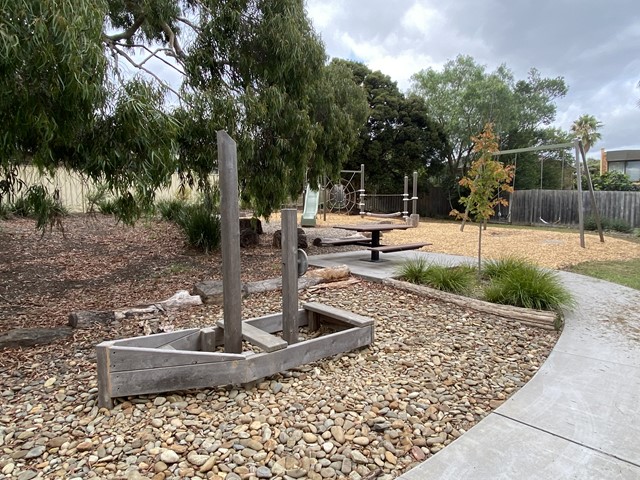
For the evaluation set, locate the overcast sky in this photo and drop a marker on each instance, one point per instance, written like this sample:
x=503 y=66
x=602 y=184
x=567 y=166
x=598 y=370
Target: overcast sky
x=594 y=45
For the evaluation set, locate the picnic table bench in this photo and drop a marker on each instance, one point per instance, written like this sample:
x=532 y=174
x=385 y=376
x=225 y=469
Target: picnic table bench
x=376 y=229
x=355 y=240
x=399 y=248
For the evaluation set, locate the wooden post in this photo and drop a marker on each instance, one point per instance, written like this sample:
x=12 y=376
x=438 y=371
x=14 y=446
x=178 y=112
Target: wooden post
x=576 y=144
x=104 y=378
x=289 y=275
x=229 y=211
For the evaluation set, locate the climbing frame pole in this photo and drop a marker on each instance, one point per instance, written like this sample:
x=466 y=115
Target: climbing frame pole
x=230 y=215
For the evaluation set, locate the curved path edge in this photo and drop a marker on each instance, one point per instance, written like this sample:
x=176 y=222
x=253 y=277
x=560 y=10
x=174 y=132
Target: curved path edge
x=578 y=417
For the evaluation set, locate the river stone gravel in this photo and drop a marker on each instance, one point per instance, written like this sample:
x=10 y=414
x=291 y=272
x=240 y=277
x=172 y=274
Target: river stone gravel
x=434 y=371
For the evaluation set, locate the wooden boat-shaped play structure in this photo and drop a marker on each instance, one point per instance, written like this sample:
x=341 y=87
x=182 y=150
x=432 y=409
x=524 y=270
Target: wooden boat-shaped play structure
x=201 y=358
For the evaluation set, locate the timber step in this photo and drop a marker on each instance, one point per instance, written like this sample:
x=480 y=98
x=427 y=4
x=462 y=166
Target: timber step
x=259 y=338
x=398 y=248
x=328 y=311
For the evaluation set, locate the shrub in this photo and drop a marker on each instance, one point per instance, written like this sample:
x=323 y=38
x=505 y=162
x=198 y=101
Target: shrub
x=107 y=206
x=5 y=211
x=201 y=225
x=530 y=287
x=611 y=224
x=46 y=208
x=498 y=268
x=457 y=279
x=589 y=223
x=413 y=270
x=171 y=210
x=620 y=225
x=21 y=207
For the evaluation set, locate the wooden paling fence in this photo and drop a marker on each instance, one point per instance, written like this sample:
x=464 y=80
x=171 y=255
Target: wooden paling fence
x=561 y=206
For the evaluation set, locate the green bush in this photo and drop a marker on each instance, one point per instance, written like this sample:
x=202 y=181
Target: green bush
x=171 y=210
x=413 y=270
x=457 y=279
x=46 y=208
x=21 y=207
x=610 y=224
x=528 y=286
x=107 y=206
x=201 y=224
x=5 y=211
x=620 y=225
x=590 y=224
x=494 y=269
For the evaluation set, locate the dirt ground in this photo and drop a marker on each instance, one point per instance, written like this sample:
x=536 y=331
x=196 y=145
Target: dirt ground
x=552 y=248
x=100 y=265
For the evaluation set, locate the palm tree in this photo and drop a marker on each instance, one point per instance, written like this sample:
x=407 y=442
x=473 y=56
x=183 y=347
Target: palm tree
x=586 y=129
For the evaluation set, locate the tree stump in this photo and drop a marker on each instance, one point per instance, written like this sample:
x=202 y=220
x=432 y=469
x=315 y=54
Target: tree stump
x=302 y=239
x=251 y=223
x=248 y=238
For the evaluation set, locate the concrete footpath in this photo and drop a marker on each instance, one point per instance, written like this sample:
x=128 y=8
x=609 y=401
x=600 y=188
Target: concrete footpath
x=578 y=417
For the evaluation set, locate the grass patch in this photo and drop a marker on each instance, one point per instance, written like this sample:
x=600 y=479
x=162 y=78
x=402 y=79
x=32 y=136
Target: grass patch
x=623 y=272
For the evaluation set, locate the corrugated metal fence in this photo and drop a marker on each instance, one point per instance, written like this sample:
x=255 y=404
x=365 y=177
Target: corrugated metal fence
x=74 y=188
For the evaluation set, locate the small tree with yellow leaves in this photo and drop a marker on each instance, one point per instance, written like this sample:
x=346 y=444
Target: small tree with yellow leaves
x=486 y=180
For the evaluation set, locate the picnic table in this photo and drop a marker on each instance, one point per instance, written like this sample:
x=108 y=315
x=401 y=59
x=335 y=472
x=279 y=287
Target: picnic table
x=375 y=229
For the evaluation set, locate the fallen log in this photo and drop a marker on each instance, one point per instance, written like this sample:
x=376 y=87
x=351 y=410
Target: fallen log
x=211 y=290
x=87 y=318
x=535 y=318
x=331 y=274
x=28 y=337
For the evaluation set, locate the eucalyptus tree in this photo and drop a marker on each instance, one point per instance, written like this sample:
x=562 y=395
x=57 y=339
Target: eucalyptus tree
x=464 y=96
x=128 y=92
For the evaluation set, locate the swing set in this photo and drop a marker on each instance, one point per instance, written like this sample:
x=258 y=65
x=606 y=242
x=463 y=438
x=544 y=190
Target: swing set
x=580 y=161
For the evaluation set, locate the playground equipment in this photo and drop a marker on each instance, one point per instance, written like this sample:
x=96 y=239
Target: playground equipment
x=192 y=358
x=311 y=198
x=413 y=220
x=343 y=197
x=580 y=160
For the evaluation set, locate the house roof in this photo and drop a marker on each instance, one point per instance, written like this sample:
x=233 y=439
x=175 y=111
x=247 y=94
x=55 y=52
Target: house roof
x=622 y=155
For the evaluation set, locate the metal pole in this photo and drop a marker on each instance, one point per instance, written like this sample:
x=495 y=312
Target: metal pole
x=361 y=191
x=229 y=211
x=592 y=193
x=405 y=199
x=576 y=144
x=414 y=199
x=289 y=275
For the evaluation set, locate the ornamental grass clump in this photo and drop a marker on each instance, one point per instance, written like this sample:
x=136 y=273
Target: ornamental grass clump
x=459 y=279
x=170 y=210
x=525 y=285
